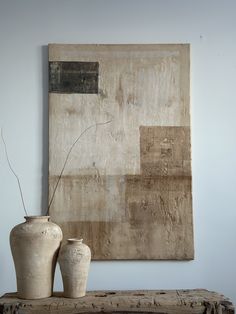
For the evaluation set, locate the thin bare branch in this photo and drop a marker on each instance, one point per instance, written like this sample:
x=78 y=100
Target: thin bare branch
x=67 y=157
x=12 y=170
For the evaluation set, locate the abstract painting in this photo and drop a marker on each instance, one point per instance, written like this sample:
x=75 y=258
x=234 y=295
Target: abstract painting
x=126 y=188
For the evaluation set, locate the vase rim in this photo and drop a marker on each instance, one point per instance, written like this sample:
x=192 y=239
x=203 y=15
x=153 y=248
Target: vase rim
x=75 y=240
x=36 y=217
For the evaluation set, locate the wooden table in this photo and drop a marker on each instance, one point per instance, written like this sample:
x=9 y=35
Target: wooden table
x=196 y=301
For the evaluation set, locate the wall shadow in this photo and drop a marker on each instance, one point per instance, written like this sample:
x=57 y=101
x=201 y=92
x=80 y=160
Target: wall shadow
x=45 y=151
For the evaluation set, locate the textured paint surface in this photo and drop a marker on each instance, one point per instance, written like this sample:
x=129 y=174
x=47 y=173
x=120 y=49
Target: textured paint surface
x=126 y=189
x=165 y=151
x=73 y=77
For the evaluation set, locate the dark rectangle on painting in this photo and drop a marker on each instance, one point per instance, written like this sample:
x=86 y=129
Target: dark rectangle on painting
x=73 y=77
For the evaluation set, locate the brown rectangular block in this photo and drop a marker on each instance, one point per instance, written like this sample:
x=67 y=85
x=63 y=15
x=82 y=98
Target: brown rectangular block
x=165 y=150
x=126 y=241
x=143 y=218
x=163 y=200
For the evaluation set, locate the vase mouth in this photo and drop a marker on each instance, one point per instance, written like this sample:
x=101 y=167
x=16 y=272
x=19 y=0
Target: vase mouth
x=75 y=240
x=37 y=217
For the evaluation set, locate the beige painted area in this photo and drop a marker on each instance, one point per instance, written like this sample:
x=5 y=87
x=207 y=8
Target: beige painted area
x=133 y=91
x=126 y=189
x=99 y=197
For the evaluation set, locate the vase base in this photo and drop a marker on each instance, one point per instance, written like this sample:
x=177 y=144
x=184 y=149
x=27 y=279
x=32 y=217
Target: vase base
x=25 y=297
x=74 y=296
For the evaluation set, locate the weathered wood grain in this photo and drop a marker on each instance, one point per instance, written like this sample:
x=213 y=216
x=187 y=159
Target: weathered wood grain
x=196 y=301
x=114 y=192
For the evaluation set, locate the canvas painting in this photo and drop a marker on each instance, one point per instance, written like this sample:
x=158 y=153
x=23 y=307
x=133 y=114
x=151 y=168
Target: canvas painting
x=123 y=113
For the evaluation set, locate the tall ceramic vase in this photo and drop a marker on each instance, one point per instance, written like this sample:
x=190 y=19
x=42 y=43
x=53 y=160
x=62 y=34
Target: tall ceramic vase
x=74 y=260
x=35 y=245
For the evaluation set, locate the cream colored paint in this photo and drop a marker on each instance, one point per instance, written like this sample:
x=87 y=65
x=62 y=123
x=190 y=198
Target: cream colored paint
x=140 y=90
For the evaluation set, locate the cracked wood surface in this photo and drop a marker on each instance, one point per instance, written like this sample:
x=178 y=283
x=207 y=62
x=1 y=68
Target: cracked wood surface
x=197 y=301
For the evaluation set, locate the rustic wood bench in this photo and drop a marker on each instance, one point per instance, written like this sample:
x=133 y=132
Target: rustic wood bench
x=196 y=301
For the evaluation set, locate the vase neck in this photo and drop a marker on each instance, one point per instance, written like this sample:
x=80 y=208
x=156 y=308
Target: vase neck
x=75 y=241
x=37 y=219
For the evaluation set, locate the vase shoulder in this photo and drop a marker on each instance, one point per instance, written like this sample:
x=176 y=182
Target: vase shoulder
x=39 y=226
x=74 y=249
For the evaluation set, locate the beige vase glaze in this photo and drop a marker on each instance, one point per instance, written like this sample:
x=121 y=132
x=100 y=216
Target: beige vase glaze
x=74 y=260
x=35 y=245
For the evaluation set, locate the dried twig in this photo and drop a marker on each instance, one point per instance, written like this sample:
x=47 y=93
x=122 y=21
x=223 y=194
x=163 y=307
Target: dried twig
x=67 y=157
x=16 y=176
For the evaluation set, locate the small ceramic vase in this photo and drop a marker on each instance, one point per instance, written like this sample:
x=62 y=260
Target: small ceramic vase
x=35 y=245
x=74 y=260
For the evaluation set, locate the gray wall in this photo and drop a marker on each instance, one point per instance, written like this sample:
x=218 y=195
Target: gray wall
x=27 y=26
